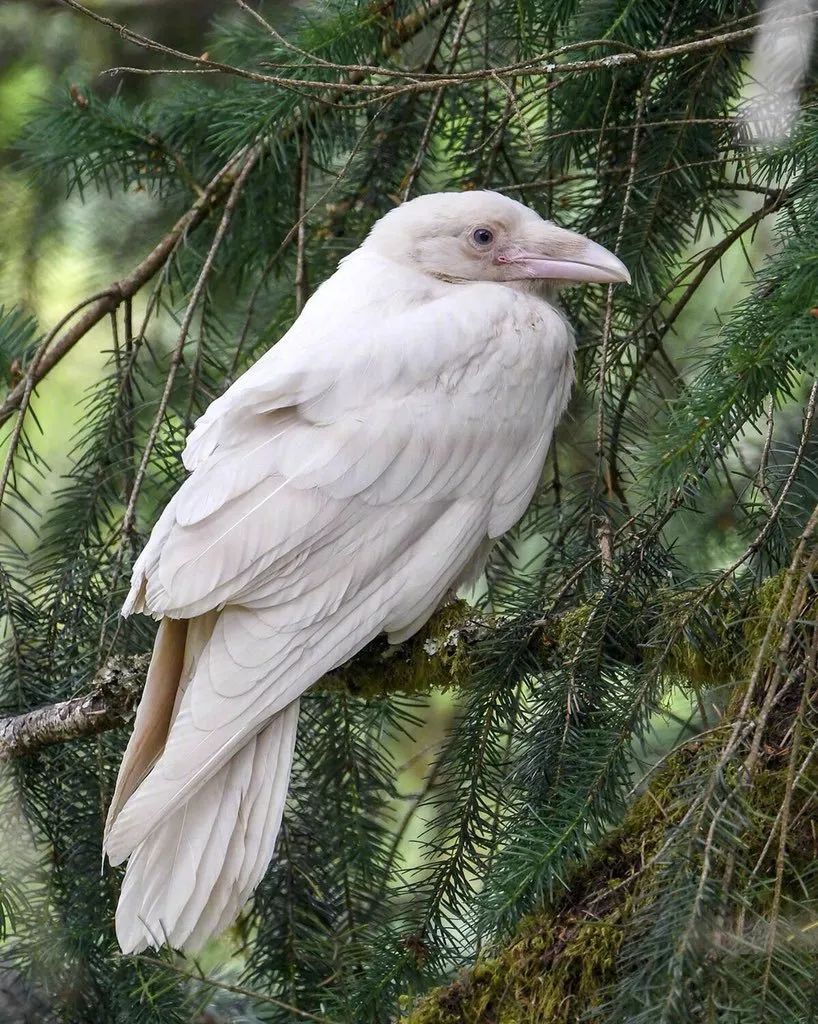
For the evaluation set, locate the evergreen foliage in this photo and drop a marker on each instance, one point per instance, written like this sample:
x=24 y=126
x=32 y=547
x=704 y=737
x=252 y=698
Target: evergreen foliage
x=626 y=587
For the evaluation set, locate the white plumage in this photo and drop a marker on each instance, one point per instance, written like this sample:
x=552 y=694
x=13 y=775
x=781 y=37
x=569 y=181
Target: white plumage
x=341 y=488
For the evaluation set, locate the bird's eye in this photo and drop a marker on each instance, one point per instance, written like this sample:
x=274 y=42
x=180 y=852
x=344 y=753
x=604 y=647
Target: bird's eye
x=482 y=236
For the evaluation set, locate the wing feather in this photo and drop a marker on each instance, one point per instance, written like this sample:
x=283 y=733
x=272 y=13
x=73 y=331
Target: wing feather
x=339 y=489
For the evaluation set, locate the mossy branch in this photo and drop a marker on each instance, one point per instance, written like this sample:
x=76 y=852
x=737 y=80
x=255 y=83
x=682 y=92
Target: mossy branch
x=561 y=959
x=440 y=656
x=563 y=962
x=566 y=961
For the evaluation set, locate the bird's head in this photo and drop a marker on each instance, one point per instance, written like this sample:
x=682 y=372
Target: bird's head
x=486 y=236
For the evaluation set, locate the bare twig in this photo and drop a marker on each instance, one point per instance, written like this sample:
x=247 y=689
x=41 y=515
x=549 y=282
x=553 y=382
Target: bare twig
x=437 y=100
x=301 y=240
x=613 y=483
x=106 y=301
x=411 y=81
x=288 y=237
x=761 y=473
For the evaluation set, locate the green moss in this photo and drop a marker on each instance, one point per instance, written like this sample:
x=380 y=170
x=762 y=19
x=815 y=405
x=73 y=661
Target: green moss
x=568 y=629
x=439 y=657
x=724 y=651
x=764 y=605
x=553 y=970
x=561 y=961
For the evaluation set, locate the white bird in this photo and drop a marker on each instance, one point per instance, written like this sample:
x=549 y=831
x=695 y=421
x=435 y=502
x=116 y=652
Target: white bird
x=343 y=487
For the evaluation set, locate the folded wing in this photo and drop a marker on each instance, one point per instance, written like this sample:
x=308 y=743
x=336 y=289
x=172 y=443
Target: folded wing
x=339 y=490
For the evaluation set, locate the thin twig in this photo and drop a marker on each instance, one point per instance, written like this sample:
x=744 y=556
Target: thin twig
x=301 y=214
x=613 y=482
x=437 y=100
x=291 y=233
x=106 y=301
x=176 y=359
x=764 y=458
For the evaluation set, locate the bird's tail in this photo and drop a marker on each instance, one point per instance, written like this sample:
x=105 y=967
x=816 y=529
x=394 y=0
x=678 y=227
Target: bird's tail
x=192 y=874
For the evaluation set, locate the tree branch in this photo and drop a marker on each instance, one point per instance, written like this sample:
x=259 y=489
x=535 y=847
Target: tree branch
x=215 y=193
x=110 y=703
x=410 y=81
x=120 y=291
x=440 y=656
x=443 y=655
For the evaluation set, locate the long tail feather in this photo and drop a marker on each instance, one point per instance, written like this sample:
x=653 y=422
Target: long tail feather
x=193 y=874
x=154 y=714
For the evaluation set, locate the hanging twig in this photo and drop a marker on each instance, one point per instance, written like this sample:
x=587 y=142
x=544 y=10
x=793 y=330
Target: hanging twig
x=301 y=286
x=607 y=326
x=437 y=100
x=288 y=237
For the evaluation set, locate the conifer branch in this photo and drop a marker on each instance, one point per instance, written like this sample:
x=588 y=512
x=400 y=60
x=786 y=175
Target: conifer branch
x=117 y=292
x=409 y=81
x=439 y=656
x=216 y=192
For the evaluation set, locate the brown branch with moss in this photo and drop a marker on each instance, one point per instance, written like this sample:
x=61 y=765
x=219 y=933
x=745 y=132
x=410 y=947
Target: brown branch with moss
x=440 y=656
x=443 y=655
x=565 y=959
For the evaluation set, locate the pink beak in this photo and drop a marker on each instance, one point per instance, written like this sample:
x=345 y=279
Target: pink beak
x=570 y=257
